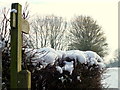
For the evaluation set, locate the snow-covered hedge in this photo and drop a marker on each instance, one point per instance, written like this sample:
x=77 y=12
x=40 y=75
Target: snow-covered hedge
x=45 y=56
x=64 y=69
x=55 y=69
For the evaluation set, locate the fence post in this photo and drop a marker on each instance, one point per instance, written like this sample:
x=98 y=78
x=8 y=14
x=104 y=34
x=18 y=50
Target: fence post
x=16 y=24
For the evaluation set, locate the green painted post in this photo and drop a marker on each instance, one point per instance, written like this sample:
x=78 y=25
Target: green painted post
x=16 y=43
x=24 y=80
x=18 y=76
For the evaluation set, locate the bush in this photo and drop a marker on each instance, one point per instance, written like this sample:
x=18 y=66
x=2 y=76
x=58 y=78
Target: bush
x=83 y=75
x=5 y=68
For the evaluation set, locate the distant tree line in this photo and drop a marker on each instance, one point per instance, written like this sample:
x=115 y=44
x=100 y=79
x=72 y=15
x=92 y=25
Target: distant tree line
x=115 y=62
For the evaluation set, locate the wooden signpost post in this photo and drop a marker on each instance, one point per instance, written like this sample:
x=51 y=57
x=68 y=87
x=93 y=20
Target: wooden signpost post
x=18 y=78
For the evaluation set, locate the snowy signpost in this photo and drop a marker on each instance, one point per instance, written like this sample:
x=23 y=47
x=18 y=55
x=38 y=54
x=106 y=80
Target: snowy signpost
x=19 y=78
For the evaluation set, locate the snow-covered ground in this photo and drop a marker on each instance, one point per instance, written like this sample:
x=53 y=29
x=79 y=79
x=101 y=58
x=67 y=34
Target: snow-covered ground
x=113 y=81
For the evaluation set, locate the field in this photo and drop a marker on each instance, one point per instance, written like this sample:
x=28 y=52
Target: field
x=113 y=81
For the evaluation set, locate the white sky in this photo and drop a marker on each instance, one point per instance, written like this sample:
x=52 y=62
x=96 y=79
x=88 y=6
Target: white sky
x=105 y=12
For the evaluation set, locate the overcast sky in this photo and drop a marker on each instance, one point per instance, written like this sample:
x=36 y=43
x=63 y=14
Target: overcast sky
x=105 y=12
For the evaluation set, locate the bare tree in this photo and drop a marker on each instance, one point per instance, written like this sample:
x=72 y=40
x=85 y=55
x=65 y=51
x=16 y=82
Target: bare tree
x=25 y=11
x=27 y=38
x=4 y=24
x=49 y=31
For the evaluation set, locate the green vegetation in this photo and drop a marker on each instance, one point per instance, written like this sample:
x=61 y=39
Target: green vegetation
x=86 y=34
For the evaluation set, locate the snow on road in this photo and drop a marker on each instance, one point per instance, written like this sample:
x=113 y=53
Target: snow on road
x=112 y=80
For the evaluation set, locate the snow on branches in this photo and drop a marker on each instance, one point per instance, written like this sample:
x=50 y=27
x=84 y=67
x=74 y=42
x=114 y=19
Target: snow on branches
x=48 y=56
x=2 y=44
